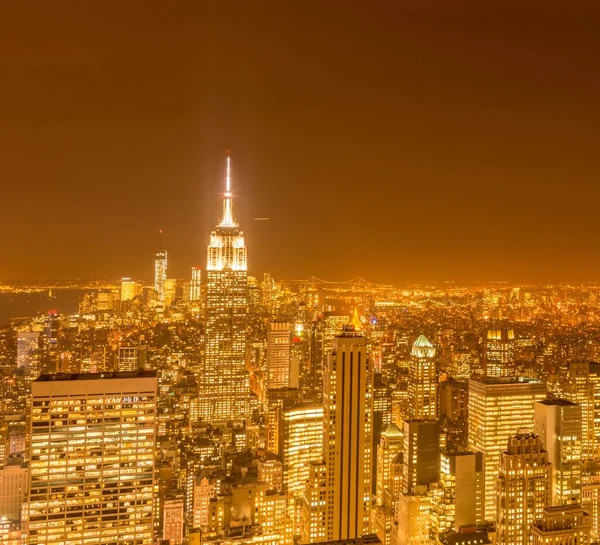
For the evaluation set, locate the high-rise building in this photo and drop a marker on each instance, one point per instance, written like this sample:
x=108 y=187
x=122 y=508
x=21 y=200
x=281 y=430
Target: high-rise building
x=562 y=525
x=499 y=408
x=160 y=273
x=14 y=479
x=422 y=381
x=301 y=442
x=523 y=489
x=580 y=383
x=590 y=493
x=278 y=354
x=388 y=482
x=420 y=469
x=196 y=284
x=50 y=345
x=131 y=357
x=224 y=384
x=499 y=353
x=129 y=289
x=461 y=490
x=348 y=403
x=558 y=423
x=92 y=458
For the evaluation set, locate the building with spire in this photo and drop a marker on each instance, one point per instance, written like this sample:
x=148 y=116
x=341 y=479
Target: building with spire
x=224 y=384
x=160 y=272
x=422 y=381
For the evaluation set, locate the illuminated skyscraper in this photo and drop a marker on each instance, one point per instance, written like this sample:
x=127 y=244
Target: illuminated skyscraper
x=131 y=357
x=160 y=273
x=562 y=525
x=421 y=456
x=278 y=354
x=558 y=423
x=422 y=381
x=348 y=416
x=523 y=489
x=460 y=502
x=388 y=480
x=580 y=383
x=499 y=408
x=499 y=353
x=224 y=384
x=196 y=284
x=129 y=289
x=92 y=458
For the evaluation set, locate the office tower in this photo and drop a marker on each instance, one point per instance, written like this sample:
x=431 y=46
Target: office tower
x=453 y=407
x=523 y=488
x=499 y=353
x=388 y=482
x=224 y=384
x=129 y=289
x=301 y=442
x=92 y=458
x=28 y=351
x=160 y=273
x=562 y=525
x=461 y=498
x=498 y=408
x=196 y=284
x=28 y=360
x=390 y=445
x=14 y=479
x=460 y=364
x=321 y=341
x=422 y=381
x=50 y=363
x=348 y=403
x=278 y=354
x=316 y=526
x=558 y=423
x=131 y=357
x=590 y=493
x=580 y=383
x=421 y=455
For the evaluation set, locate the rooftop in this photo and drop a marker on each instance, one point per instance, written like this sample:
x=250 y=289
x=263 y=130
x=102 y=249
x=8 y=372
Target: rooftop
x=558 y=401
x=62 y=377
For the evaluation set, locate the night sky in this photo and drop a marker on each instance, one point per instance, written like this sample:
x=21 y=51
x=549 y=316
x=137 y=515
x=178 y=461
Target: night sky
x=396 y=140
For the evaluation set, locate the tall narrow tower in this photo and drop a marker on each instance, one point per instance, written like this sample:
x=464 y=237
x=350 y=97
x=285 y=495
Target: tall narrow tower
x=348 y=420
x=422 y=381
x=224 y=385
x=160 y=272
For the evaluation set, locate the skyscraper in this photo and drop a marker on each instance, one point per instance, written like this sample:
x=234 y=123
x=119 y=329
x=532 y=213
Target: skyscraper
x=160 y=273
x=348 y=404
x=422 y=381
x=225 y=383
x=523 y=488
x=558 y=423
x=196 y=284
x=278 y=354
x=499 y=353
x=92 y=458
x=499 y=408
x=462 y=486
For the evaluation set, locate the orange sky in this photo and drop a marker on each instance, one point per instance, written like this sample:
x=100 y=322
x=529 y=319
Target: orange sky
x=399 y=140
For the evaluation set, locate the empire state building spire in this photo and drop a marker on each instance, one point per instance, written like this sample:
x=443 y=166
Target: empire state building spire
x=224 y=382
x=227 y=219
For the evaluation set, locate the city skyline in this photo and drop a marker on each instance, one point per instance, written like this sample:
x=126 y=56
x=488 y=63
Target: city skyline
x=456 y=113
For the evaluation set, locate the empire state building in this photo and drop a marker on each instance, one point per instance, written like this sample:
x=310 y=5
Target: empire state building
x=224 y=385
